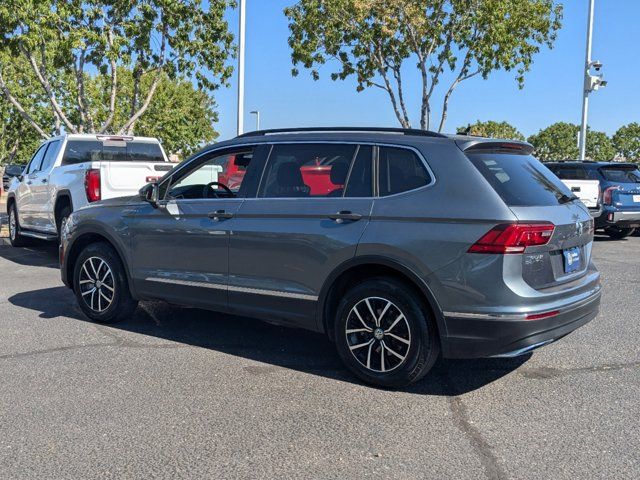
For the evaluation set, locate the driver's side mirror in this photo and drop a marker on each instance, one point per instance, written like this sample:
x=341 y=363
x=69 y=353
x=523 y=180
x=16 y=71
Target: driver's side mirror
x=151 y=193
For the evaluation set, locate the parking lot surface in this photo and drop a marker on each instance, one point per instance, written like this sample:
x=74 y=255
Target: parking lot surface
x=184 y=393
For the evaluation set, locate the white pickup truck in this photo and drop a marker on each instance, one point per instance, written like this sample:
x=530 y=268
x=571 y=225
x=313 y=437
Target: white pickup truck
x=588 y=191
x=71 y=171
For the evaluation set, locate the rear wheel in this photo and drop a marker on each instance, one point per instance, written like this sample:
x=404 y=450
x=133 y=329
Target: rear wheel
x=384 y=334
x=62 y=218
x=619 y=233
x=15 y=238
x=100 y=284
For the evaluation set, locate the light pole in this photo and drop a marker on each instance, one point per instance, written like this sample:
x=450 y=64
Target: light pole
x=241 y=68
x=257 y=114
x=592 y=82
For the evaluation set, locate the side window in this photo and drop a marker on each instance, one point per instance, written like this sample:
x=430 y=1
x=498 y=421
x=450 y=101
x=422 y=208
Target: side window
x=360 y=181
x=307 y=170
x=400 y=170
x=50 y=156
x=203 y=181
x=36 y=160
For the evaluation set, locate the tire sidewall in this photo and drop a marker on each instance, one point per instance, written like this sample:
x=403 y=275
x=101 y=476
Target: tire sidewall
x=121 y=294
x=423 y=348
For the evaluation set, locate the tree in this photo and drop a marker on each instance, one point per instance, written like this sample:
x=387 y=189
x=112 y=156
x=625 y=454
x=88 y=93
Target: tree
x=181 y=116
x=627 y=142
x=373 y=39
x=64 y=43
x=560 y=142
x=492 y=129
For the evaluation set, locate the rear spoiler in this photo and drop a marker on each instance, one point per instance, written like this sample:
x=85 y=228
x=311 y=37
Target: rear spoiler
x=488 y=145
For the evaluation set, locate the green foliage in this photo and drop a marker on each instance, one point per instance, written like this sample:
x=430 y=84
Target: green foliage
x=560 y=142
x=181 y=116
x=64 y=44
x=492 y=129
x=372 y=39
x=627 y=142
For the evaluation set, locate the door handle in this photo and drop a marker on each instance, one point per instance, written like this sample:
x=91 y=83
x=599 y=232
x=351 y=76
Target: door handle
x=345 y=215
x=29 y=182
x=44 y=180
x=220 y=215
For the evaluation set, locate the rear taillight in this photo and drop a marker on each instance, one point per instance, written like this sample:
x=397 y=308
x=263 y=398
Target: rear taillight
x=92 y=185
x=513 y=238
x=607 y=196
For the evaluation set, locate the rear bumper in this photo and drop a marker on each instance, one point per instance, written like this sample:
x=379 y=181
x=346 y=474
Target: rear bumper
x=471 y=335
x=619 y=218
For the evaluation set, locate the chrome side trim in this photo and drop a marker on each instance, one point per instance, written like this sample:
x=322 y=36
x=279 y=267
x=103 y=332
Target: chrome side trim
x=274 y=293
x=523 y=316
x=232 y=288
x=187 y=283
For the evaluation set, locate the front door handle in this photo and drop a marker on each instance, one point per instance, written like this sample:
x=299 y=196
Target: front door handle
x=44 y=180
x=345 y=215
x=220 y=215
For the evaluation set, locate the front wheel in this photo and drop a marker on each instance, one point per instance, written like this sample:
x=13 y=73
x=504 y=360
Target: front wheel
x=15 y=238
x=100 y=284
x=384 y=334
x=618 y=233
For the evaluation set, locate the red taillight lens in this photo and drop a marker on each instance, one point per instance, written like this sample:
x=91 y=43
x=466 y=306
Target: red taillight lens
x=92 y=185
x=607 y=196
x=513 y=238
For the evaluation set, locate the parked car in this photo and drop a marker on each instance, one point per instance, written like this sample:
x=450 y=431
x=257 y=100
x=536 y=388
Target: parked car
x=72 y=171
x=619 y=192
x=10 y=172
x=459 y=246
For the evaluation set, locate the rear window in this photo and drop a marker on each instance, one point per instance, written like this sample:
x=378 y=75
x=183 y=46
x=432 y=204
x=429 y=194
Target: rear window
x=573 y=173
x=621 y=174
x=521 y=180
x=81 y=151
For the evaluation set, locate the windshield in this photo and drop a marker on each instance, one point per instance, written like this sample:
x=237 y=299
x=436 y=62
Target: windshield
x=621 y=174
x=521 y=180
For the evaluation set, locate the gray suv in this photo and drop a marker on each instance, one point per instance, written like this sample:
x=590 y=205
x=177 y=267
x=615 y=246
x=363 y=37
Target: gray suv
x=399 y=245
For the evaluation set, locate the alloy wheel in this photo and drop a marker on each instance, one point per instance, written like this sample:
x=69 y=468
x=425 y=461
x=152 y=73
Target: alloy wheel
x=12 y=224
x=378 y=334
x=97 y=285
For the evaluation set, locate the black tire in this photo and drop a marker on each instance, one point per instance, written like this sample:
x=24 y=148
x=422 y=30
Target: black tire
x=419 y=329
x=15 y=238
x=61 y=218
x=114 y=287
x=618 y=233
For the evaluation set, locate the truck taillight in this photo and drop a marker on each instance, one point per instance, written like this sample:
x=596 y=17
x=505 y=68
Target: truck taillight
x=513 y=238
x=607 y=196
x=92 y=185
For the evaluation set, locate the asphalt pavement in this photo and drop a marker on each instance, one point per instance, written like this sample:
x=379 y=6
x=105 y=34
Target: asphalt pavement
x=184 y=393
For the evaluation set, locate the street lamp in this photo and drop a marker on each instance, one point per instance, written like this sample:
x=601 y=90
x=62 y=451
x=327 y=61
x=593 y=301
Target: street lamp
x=257 y=114
x=241 y=68
x=592 y=82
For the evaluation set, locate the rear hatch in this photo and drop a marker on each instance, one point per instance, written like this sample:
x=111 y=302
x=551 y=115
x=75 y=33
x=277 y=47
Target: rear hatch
x=625 y=194
x=537 y=197
x=127 y=164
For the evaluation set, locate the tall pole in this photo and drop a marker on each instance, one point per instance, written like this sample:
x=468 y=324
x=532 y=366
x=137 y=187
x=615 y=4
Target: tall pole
x=257 y=114
x=586 y=90
x=241 y=68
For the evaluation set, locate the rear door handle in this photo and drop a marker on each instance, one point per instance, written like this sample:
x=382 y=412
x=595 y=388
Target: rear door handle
x=220 y=215
x=345 y=215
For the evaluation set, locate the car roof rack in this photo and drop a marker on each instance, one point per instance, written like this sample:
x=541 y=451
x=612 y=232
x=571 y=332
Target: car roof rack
x=397 y=131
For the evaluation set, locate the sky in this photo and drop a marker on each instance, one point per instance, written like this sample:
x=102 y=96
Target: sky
x=552 y=91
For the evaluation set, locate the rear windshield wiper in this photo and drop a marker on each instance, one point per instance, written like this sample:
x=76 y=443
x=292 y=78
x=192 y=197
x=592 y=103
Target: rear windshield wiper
x=567 y=199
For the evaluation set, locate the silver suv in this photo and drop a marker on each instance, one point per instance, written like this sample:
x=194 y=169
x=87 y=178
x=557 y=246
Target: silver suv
x=399 y=245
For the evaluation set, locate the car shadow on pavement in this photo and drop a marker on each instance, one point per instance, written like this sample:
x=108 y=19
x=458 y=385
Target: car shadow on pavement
x=39 y=254
x=277 y=346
